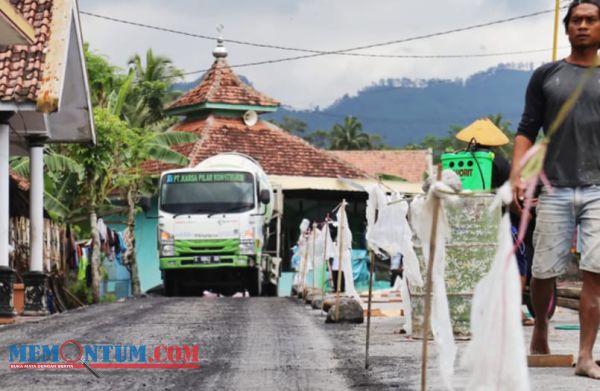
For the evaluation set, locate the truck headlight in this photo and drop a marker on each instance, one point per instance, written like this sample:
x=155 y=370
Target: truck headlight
x=167 y=250
x=247 y=247
x=167 y=244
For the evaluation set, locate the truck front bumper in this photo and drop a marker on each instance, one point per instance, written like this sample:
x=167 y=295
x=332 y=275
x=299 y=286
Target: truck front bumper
x=203 y=262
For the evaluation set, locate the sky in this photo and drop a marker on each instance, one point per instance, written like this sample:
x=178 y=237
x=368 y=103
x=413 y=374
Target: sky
x=325 y=25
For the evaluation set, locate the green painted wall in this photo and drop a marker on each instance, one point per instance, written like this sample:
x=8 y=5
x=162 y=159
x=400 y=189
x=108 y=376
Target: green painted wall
x=145 y=244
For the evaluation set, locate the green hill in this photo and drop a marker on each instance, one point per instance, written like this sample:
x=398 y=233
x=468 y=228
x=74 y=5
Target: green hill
x=403 y=111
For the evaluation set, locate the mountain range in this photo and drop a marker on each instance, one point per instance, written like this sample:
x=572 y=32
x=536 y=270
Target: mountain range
x=403 y=111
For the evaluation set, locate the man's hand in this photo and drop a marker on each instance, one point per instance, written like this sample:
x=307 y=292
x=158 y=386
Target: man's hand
x=518 y=191
x=522 y=144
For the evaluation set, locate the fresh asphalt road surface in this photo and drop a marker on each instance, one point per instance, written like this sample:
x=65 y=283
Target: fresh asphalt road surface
x=252 y=344
x=245 y=344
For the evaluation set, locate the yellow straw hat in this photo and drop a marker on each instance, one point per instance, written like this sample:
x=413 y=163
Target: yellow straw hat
x=485 y=132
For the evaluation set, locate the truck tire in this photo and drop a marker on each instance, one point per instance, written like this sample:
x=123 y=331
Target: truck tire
x=169 y=284
x=254 y=283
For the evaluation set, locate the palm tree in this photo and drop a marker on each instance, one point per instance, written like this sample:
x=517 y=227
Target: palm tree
x=349 y=136
x=154 y=79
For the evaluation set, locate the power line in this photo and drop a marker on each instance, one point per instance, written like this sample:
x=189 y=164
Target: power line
x=315 y=53
x=442 y=56
x=410 y=39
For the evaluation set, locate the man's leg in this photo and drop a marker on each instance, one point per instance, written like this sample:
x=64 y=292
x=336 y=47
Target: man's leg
x=541 y=293
x=552 y=239
x=589 y=318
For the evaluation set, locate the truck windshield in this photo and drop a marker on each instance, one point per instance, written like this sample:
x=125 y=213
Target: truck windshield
x=207 y=192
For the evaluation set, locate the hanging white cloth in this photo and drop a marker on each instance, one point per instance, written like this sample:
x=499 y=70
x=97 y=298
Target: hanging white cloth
x=344 y=237
x=391 y=233
x=496 y=356
x=302 y=253
x=441 y=326
x=377 y=200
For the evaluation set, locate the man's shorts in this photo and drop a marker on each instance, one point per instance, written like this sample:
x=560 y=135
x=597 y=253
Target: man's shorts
x=558 y=213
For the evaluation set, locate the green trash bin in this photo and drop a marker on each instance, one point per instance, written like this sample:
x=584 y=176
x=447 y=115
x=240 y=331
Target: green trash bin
x=473 y=168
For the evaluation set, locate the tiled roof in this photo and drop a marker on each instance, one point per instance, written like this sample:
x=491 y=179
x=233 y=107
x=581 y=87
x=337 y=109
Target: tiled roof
x=410 y=165
x=21 y=65
x=221 y=85
x=277 y=151
x=22 y=183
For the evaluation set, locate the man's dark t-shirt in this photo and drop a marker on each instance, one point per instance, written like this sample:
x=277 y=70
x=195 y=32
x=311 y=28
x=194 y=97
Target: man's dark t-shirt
x=573 y=156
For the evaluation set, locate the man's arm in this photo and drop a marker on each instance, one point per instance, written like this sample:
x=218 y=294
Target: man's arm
x=522 y=145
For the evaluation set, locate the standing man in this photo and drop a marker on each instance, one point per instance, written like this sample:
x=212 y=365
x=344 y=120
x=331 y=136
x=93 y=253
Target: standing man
x=573 y=167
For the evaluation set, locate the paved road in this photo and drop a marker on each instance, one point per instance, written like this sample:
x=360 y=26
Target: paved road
x=245 y=344
x=250 y=344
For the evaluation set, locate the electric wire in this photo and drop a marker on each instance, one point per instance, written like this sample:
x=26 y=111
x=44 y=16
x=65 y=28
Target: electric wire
x=347 y=51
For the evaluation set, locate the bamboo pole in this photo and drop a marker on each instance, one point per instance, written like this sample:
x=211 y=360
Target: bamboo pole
x=372 y=270
x=555 y=37
x=428 y=286
x=341 y=229
x=325 y=263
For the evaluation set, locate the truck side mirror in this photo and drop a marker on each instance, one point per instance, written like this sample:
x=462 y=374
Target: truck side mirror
x=146 y=204
x=264 y=196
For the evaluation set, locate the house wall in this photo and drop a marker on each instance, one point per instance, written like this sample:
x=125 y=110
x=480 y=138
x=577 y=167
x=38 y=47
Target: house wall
x=145 y=245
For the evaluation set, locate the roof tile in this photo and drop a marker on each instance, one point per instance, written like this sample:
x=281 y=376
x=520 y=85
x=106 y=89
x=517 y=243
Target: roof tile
x=278 y=152
x=221 y=85
x=410 y=165
x=21 y=65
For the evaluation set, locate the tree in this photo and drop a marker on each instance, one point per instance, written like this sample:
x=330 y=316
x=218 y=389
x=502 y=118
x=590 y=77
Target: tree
x=143 y=146
x=349 y=136
x=153 y=85
x=319 y=138
x=291 y=124
x=103 y=77
x=61 y=175
x=100 y=166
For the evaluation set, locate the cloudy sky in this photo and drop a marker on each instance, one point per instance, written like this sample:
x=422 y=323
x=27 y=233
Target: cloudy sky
x=325 y=25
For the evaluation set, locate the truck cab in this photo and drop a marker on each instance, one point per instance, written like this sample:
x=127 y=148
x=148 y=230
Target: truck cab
x=211 y=229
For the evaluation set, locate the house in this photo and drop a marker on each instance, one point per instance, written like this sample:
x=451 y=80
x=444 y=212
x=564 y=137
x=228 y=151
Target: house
x=221 y=111
x=14 y=28
x=408 y=165
x=44 y=98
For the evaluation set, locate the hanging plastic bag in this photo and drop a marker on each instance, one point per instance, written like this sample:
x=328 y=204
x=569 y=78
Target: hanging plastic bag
x=496 y=356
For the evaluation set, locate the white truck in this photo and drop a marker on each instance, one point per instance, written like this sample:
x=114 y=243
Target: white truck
x=213 y=227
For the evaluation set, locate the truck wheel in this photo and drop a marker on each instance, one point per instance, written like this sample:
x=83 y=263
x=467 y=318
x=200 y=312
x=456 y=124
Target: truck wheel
x=169 y=284
x=254 y=284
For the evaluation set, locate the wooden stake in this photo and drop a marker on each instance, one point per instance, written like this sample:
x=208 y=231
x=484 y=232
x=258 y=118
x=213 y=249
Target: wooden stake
x=73 y=297
x=372 y=258
x=341 y=229
x=428 y=286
